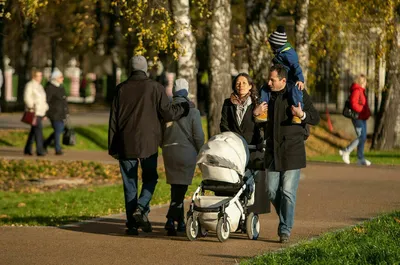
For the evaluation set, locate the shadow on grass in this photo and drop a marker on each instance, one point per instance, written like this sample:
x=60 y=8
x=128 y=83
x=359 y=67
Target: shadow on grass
x=91 y=135
x=331 y=143
x=5 y=143
x=43 y=220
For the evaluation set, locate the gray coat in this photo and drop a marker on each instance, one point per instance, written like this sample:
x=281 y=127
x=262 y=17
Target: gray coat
x=179 y=152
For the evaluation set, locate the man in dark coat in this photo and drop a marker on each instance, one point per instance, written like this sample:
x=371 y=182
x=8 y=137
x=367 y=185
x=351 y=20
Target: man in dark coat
x=134 y=134
x=285 y=151
x=58 y=109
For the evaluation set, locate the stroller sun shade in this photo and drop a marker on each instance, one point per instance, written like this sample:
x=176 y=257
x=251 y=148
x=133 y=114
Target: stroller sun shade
x=226 y=150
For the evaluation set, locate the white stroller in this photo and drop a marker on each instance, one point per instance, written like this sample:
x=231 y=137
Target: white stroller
x=222 y=161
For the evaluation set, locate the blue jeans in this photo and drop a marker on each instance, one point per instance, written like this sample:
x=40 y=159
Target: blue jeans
x=35 y=134
x=282 y=189
x=361 y=131
x=58 y=127
x=295 y=95
x=129 y=172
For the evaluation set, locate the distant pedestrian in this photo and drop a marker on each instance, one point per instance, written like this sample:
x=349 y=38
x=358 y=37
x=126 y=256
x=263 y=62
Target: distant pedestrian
x=181 y=143
x=134 y=135
x=35 y=100
x=58 y=109
x=358 y=103
x=82 y=87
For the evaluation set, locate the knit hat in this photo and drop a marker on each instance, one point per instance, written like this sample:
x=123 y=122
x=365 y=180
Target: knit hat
x=55 y=74
x=181 y=87
x=139 y=63
x=278 y=38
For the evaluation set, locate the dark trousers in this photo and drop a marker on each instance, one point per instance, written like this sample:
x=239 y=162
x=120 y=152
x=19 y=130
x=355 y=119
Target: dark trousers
x=58 y=127
x=129 y=172
x=35 y=134
x=176 y=210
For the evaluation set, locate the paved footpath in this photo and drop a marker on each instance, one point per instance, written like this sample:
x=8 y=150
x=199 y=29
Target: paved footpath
x=330 y=197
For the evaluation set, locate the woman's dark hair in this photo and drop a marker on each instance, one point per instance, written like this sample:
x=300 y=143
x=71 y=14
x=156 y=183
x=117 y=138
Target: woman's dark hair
x=253 y=91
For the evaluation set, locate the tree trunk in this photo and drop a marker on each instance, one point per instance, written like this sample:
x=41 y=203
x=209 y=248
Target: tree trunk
x=302 y=39
x=257 y=15
x=187 y=41
x=2 y=86
x=24 y=61
x=53 y=53
x=220 y=59
x=114 y=40
x=387 y=133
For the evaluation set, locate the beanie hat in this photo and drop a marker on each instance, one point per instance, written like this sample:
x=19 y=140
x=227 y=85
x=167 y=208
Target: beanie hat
x=56 y=74
x=139 y=63
x=278 y=38
x=181 y=88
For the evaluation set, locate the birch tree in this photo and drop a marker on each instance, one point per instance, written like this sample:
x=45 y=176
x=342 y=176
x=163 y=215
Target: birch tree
x=257 y=16
x=187 y=45
x=302 y=40
x=220 y=58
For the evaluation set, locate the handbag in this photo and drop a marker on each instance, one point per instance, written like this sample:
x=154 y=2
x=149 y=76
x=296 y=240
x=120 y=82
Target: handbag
x=29 y=117
x=69 y=136
x=348 y=112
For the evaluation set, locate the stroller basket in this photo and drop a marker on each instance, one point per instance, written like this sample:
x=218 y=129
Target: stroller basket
x=220 y=186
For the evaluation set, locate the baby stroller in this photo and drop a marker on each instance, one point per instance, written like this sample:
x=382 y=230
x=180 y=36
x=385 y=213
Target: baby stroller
x=222 y=161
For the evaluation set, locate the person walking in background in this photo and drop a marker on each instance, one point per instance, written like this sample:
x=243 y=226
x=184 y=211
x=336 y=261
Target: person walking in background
x=83 y=86
x=58 y=109
x=35 y=100
x=287 y=57
x=285 y=151
x=181 y=143
x=358 y=103
x=134 y=135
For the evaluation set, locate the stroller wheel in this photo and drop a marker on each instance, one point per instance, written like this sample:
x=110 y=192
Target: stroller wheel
x=252 y=226
x=192 y=228
x=223 y=230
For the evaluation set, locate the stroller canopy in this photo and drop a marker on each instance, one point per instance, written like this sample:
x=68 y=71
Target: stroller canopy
x=227 y=150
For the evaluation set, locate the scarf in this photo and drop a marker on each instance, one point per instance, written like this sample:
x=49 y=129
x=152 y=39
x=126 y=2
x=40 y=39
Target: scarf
x=241 y=105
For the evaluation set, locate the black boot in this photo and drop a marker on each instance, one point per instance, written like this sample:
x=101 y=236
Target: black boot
x=181 y=226
x=170 y=227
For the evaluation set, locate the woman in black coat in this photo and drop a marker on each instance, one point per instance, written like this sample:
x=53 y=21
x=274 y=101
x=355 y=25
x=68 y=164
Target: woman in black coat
x=237 y=116
x=58 y=109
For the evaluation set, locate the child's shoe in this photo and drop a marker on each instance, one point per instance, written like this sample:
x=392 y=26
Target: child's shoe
x=296 y=120
x=263 y=117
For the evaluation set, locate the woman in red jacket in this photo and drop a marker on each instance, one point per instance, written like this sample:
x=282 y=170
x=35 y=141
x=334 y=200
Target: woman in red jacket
x=358 y=103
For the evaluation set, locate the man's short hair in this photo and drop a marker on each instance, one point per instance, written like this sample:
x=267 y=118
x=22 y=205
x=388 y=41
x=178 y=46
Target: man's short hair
x=280 y=69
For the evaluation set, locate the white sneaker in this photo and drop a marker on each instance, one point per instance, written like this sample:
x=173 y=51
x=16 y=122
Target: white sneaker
x=364 y=162
x=345 y=156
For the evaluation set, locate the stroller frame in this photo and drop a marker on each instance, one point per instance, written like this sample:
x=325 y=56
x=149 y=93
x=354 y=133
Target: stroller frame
x=249 y=221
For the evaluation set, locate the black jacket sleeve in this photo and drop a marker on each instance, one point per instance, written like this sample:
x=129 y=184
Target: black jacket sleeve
x=169 y=111
x=224 y=126
x=312 y=115
x=112 y=129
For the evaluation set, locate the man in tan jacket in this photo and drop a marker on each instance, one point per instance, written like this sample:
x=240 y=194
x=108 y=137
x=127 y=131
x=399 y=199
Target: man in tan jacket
x=35 y=100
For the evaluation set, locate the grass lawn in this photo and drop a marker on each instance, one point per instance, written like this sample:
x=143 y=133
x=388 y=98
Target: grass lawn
x=373 y=242
x=62 y=207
